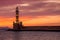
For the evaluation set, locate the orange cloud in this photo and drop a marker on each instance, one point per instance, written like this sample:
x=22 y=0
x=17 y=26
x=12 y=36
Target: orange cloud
x=6 y=21
x=37 y=21
x=43 y=21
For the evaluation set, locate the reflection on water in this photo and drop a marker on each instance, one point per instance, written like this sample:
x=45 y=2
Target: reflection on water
x=29 y=35
x=16 y=36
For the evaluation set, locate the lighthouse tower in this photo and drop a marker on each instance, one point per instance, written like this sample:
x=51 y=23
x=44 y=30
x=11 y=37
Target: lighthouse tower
x=17 y=25
x=17 y=15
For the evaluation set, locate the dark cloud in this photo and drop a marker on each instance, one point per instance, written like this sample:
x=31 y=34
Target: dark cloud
x=8 y=2
x=48 y=9
x=9 y=15
x=41 y=5
x=35 y=14
x=35 y=6
x=30 y=0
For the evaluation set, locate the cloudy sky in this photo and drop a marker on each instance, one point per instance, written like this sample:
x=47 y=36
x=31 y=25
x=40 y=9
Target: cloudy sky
x=32 y=12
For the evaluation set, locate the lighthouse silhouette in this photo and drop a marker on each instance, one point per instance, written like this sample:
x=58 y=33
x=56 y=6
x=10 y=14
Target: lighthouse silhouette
x=17 y=25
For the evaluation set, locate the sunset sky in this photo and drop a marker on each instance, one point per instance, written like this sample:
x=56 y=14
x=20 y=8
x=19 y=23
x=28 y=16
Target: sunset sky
x=32 y=12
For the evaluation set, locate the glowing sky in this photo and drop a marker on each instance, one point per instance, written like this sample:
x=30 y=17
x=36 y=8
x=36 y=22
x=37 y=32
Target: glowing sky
x=32 y=12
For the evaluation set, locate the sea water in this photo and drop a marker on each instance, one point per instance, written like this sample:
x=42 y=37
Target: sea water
x=29 y=35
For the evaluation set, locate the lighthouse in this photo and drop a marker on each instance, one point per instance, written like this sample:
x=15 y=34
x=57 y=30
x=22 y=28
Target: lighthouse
x=17 y=25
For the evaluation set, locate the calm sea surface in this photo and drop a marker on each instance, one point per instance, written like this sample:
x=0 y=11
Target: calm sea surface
x=29 y=35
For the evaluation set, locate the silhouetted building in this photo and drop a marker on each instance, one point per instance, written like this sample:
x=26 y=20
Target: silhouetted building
x=17 y=25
